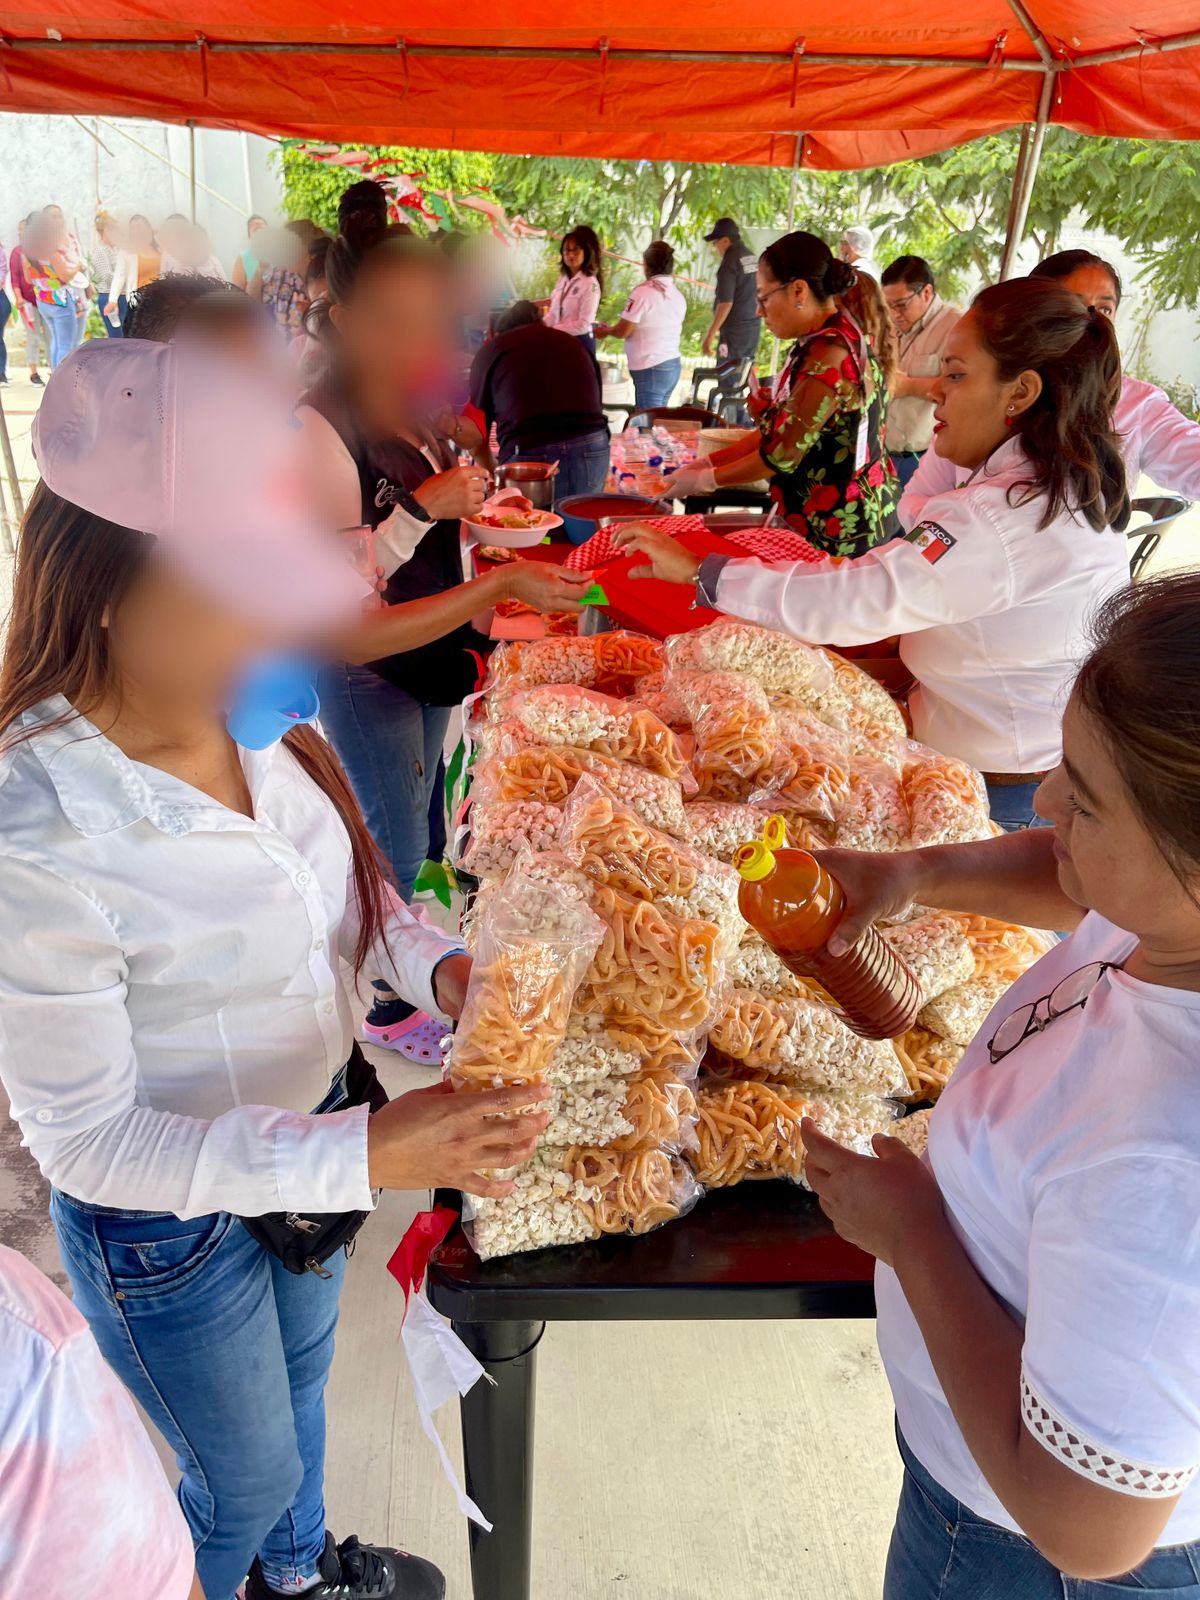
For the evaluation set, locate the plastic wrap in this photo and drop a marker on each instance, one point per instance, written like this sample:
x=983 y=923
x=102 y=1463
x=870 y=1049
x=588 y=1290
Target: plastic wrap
x=538 y=772
x=947 y=802
x=641 y=1111
x=913 y=1131
x=874 y=815
x=927 y=1062
x=752 y=1130
x=958 y=1013
x=755 y=965
x=499 y=833
x=719 y=827
x=602 y=1022
x=809 y=767
x=535 y=944
x=798 y=1040
x=871 y=707
x=566 y=714
x=614 y=846
x=569 y=1196
x=935 y=949
x=732 y=729
x=1004 y=949
x=773 y=659
x=612 y=662
x=655 y=693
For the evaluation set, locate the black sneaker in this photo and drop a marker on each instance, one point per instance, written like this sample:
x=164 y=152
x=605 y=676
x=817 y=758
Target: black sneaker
x=37 y=379
x=353 y=1571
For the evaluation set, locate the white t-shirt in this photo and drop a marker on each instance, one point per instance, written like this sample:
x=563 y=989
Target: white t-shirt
x=1071 y=1173
x=657 y=309
x=992 y=613
x=85 y=1508
x=574 y=304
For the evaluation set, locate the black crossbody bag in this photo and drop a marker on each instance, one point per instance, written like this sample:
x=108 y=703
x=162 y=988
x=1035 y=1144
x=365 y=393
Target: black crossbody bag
x=305 y=1242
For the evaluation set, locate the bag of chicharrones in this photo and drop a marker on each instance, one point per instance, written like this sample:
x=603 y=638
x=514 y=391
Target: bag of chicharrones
x=532 y=951
x=947 y=801
x=500 y=832
x=749 y=1130
x=732 y=728
x=799 y=1040
x=774 y=660
x=809 y=768
x=720 y=827
x=612 y=662
x=570 y=1196
x=614 y=846
x=567 y=714
x=517 y=772
x=858 y=702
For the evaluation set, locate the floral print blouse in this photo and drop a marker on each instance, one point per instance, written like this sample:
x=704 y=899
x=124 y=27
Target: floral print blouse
x=834 y=480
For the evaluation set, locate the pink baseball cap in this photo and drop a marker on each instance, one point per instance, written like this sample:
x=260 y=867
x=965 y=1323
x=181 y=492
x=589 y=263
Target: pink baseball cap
x=201 y=451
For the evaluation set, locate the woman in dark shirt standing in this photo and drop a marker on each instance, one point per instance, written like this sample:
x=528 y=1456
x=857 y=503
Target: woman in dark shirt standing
x=541 y=388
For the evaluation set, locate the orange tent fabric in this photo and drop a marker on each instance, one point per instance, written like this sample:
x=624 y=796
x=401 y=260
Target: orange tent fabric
x=688 y=79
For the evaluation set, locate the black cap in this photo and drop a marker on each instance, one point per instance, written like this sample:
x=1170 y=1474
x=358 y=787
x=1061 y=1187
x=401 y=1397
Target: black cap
x=723 y=228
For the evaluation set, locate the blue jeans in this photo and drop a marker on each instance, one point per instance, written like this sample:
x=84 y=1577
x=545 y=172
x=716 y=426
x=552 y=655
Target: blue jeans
x=63 y=328
x=390 y=746
x=906 y=463
x=582 y=463
x=1011 y=806
x=654 y=386
x=5 y=313
x=942 y=1551
x=228 y=1353
x=122 y=307
x=588 y=341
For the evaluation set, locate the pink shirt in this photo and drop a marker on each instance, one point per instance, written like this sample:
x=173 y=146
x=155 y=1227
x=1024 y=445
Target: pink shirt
x=85 y=1507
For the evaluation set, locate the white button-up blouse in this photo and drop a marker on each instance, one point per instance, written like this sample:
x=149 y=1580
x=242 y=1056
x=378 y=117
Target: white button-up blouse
x=171 y=997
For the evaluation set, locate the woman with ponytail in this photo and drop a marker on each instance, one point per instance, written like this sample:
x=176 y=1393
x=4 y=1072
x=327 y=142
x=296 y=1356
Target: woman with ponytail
x=992 y=591
x=820 y=431
x=175 y=1037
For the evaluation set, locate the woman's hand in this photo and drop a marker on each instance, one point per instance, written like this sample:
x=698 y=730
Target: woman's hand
x=876 y=1202
x=453 y=494
x=450 y=979
x=757 y=401
x=668 y=558
x=874 y=885
x=544 y=587
x=110 y=308
x=698 y=479
x=439 y=1138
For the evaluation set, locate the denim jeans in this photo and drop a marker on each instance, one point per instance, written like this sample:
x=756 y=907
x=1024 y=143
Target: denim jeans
x=906 y=463
x=390 y=746
x=122 y=307
x=942 y=1551
x=5 y=313
x=588 y=341
x=63 y=328
x=582 y=463
x=1011 y=806
x=228 y=1353
x=654 y=386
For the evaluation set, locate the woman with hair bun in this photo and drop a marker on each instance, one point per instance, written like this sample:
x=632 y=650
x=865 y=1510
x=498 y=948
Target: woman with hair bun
x=652 y=325
x=992 y=591
x=821 y=429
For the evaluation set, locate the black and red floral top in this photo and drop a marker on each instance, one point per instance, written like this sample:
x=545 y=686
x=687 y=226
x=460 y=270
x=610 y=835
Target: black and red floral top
x=823 y=435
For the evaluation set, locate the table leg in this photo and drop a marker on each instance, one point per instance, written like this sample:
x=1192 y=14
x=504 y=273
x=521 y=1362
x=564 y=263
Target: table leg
x=497 y=1429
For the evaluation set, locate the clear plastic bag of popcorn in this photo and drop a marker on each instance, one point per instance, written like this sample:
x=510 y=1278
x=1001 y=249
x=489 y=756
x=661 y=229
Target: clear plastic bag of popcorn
x=809 y=768
x=612 y=662
x=773 y=659
x=542 y=772
x=795 y=1039
x=566 y=714
x=946 y=799
x=732 y=730
x=748 y=1130
x=499 y=833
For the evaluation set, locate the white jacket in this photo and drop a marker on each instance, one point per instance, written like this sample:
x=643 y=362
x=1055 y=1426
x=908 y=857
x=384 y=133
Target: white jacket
x=992 y=613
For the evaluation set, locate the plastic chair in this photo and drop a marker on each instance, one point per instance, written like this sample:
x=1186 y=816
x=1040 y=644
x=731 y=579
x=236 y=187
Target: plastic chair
x=652 y=414
x=1163 y=510
x=728 y=402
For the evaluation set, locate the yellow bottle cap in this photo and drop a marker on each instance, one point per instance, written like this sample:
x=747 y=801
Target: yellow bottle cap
x=756 y=860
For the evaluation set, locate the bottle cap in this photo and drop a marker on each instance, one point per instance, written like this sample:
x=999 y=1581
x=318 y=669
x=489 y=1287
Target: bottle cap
x=757 y=859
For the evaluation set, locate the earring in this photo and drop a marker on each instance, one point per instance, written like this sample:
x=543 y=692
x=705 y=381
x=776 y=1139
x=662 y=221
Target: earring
x=1008 y=421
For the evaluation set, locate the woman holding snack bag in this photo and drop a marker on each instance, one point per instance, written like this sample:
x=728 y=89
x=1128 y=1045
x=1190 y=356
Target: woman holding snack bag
x=184 y=905
x=1038 y=1283
x=991 y=592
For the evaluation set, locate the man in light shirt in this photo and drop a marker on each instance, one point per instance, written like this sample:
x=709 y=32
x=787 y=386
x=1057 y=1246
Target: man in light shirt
x=858 y=248
x=923 y=323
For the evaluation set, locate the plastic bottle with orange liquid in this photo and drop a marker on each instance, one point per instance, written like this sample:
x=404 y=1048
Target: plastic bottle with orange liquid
x=789 y=898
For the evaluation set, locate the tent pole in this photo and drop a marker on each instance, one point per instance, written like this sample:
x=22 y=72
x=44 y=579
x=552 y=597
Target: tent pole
x=1024 y=178
x=10 y=467
x=192 y=167
x=793 y=186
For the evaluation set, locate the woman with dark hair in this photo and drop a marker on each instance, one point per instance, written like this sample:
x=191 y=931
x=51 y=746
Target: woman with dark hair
x=1156 y=438
x=991 y=593
x=139 y=264
x=177 y=1040
x=576 y=298
x=376 y=460
x=652 y=325
x=1038 y=1284
x=820 y=432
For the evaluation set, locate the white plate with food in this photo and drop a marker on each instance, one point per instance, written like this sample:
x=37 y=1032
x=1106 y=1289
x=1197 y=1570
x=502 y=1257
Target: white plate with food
x=512 y=523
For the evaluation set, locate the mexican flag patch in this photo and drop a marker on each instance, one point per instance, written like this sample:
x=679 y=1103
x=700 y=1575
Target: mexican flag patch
x=931 y=540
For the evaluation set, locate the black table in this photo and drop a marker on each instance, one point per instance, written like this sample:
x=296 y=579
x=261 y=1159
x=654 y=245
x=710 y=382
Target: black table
x=757 y=1250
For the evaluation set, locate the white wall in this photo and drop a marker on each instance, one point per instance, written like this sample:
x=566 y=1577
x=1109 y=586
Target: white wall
x=45 y=159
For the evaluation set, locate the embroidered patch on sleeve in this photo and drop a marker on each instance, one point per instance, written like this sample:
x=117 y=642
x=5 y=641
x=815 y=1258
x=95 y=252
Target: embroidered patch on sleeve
x=931 y=540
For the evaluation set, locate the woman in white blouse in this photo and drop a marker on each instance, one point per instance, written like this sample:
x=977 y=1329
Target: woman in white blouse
x=174 y=1033
x=652 y=327
x=1039 y=1275
x=576 y=297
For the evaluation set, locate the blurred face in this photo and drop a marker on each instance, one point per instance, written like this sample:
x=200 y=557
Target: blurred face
x=397 y=330
x=141 y=235
x=173 y=645
x=972 y=404
x=253 y=226
x=54 y=213
x=572 y=254
x=721 y=245
x=1094 y=286
x=788 y=309
x=907 y=303
x=1107 y=860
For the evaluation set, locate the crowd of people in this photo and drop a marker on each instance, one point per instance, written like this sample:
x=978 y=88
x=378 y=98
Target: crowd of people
x=176 y=1038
